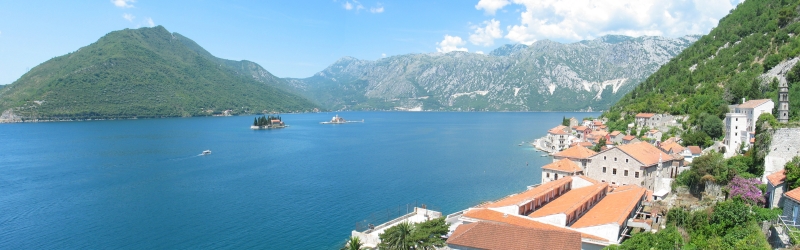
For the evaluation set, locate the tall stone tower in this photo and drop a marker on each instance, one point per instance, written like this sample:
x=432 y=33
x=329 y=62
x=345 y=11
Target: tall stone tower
x=783 y=102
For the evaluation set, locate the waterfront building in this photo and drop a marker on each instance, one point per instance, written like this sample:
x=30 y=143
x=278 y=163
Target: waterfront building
x=558 y=138
x=561 y=168
x=577 y=154
x=601 y=214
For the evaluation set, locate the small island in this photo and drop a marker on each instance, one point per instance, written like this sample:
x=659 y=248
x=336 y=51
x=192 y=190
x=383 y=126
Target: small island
x=267 y=122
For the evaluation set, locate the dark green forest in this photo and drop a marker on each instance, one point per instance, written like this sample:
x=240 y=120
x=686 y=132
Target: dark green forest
x=142 y=73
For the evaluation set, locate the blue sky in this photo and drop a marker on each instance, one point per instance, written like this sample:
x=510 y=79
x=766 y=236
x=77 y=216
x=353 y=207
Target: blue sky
x=299 y=38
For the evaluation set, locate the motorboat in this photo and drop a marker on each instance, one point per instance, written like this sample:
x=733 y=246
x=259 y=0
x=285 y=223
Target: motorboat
x=206 y=152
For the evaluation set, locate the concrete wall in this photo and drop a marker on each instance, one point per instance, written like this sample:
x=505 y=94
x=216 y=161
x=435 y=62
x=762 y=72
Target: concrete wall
x=554 y=219
x=580 y=182
x=735 y=127
x=591 y=246
x=785 y=145
x=513 y=209
x=609 y=232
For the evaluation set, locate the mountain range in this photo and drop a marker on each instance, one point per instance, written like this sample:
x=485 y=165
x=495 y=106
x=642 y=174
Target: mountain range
x=545 y=76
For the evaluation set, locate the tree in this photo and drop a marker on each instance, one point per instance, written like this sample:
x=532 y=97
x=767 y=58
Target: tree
x=397 y=237
x=746 y=189
x=354 y=243
x=425 y=235
x=428 y=235
x=712 y=126
x=600 y=144
x=792 y=173
x=565 y=121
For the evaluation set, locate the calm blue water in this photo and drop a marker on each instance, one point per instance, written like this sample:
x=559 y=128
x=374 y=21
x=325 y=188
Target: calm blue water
x=140 y=184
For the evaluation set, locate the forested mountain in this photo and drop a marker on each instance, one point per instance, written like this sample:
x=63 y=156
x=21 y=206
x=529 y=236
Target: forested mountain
x=146 y=72
x=543 y=76
x=745 y=56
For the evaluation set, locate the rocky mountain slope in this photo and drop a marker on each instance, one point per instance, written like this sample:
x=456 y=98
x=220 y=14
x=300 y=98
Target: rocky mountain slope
x=544 y=76
x=147 y=72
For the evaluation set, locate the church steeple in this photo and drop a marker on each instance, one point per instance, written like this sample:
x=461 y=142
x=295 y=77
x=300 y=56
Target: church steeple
x=783 y=102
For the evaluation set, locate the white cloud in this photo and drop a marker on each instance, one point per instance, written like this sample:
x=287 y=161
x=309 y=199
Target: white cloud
x=353 y=5
x=383 y=55
x=451 y=43
x=485 y=35
x=123 y=3
x=491 y=6
x=128 y=17
x=576 y=20
x=150 y=22
x=479 y=52
x=378 y=9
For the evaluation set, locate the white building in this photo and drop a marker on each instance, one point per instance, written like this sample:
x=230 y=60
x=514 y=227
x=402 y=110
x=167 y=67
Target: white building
x=741 y=120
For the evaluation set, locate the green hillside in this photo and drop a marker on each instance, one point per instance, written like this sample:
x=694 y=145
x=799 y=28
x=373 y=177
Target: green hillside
x=722 y=67
x=146 y=72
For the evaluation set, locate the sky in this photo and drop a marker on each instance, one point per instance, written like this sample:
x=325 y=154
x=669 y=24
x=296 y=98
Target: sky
x=298 y=38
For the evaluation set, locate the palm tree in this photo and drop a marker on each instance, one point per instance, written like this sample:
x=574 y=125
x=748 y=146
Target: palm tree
x=353 y=244
x=398 y=237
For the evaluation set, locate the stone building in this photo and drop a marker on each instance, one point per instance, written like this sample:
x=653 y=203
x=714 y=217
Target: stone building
x=635 y=164
x=783 y=102
x=776 y=186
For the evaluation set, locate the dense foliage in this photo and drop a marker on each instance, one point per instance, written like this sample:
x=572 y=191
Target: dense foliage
x=147 y=72
x=793 y=173
x=724 y=66
x=424 y=235
x=731 y=224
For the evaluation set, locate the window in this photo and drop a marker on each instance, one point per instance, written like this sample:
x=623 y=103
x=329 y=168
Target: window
x=636 y=174
x=615 y=159
x=604 y=158
x=556 y=176
x=548 y=175
x=626 y=160
x=613 y=183
x=614 y=171
x=604 y=170
x=603 y=180
x=625 y=173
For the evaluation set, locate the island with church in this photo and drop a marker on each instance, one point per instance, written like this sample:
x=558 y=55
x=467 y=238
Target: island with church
x=267 y=122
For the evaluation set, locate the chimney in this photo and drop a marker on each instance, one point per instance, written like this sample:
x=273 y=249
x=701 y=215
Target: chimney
x=743 y=99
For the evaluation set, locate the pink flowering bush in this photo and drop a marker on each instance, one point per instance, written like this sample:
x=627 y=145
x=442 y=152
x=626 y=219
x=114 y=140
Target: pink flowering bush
x=746 y=189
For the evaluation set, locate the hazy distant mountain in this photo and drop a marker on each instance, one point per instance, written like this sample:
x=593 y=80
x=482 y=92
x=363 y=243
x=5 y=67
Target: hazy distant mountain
x=147 y=72
x=543 y=76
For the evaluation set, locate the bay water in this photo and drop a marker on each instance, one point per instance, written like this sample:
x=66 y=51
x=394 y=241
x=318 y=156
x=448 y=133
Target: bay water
x=141 y=184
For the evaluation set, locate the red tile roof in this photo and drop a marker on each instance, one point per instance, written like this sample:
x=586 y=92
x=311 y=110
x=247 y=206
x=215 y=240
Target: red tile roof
x=571 y=201
x=583 y=143
x=521 y=198
x=644 y=115
x=645 y=153
x=629 y=137
x=576 y=152
x=794 y=194
x=580 y=128
x=502 y=236
x=485 y=214
x=614 y=208
x=564 y=165
x=615 y=133
x=696 y=150
x=674 y=146
x=753 y=103
x=558 y=130
x=777 y=178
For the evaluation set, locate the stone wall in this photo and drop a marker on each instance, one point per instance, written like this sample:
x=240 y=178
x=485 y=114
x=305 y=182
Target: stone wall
x=785 y=145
